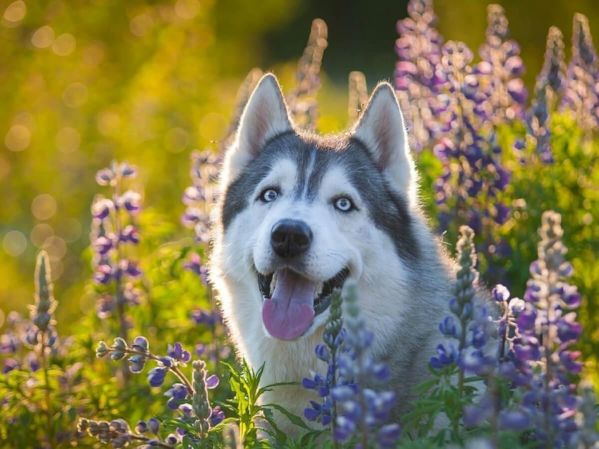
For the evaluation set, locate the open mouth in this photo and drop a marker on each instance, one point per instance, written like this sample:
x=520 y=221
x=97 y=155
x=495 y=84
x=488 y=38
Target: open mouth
x=292 y=301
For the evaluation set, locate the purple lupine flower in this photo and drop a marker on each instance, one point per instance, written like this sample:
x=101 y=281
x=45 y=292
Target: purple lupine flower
x=33 y=362
x=547 y=330
x=581 y=94
x=172 y=439
x=105 y=177
x=156 y=376
x=470 y=187
x=127 y=171
x=129 y=234
x=42 y=312
x=102 y=245
x=548 y=90
x=103 y=274
x=176 y=352
x=324 y=411
x=499 y=70
x=200 y=197
x=195 y=265
x=141 y=427
x=9 y=365
x=101 y=208
x=362 y=410
x=104 y=306
x=9 y=343
x=447 y=355
x=553 y=72
x=130 y=201
x=217 y=416
x=154 y=425
x=113 y=229
x=301 y=101
x=417 y=75
x=118 y=434
x=586 y=418
x=470 y=314
x=207 y=318
x=176 y=394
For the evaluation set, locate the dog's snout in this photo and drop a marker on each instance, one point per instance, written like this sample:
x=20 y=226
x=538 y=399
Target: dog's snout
x=290 y=238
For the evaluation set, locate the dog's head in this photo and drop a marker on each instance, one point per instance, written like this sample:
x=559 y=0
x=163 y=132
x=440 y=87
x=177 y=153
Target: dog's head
x=301 y=213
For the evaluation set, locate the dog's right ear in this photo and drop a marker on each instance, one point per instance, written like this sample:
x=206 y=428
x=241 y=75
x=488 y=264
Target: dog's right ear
x=265 y=115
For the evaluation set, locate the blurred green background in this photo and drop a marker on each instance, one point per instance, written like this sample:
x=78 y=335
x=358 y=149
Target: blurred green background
x=85 y=82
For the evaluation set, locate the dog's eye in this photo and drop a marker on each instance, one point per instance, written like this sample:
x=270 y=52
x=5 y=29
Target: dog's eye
x=344 y=204
x=269 y=195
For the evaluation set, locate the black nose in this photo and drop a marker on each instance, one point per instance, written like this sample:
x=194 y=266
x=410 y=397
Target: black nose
x=290 y=238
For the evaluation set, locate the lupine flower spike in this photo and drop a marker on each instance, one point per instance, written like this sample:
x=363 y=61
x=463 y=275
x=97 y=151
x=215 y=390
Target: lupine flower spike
x=302 y=104
x=118 y=434
x=201 y=196
x=363 y=412
x=548 y=89
x=547 y=329
x=500 y=70
x=586 y=419
x=114 y=229
x=357 y=96
x=418 y=77
x=42 y=316
x=324 y=411
x=581 y=92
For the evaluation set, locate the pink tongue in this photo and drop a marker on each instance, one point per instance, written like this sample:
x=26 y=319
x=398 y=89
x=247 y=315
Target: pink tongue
x=290 y=311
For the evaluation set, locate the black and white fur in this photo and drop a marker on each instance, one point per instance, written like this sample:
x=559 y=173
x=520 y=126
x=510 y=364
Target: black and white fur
x=402 y=275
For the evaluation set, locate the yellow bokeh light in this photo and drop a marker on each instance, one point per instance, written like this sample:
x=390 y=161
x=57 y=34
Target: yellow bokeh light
x=187 y=9
x=14 y=243
x=64 y=44
x=15 y=12
x=17 y=138
x=55 y=247
x=40 y=233
x=43 y=207
x=43 y=37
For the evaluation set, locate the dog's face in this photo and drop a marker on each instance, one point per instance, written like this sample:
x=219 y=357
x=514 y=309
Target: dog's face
x=300 y=214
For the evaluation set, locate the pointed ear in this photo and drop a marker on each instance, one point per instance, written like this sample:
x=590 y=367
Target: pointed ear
x=265 y=115
x=382 y=130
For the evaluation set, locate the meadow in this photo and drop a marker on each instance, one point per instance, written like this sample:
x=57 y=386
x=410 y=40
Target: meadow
x=110 y=330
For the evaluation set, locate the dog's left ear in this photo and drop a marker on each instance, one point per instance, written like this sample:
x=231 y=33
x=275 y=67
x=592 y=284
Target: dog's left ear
x=265 y=115
x=382 y=130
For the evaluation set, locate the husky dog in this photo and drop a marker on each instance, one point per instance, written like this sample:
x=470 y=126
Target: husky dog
x=299 y=214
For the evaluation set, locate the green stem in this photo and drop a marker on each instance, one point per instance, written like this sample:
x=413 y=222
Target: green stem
x=47 y=388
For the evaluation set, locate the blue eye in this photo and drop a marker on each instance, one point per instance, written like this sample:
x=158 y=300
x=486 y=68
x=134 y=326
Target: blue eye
x=344 y=204
x=269 y=195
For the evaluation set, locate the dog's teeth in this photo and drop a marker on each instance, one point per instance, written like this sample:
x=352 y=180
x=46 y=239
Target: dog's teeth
x=320 y=289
